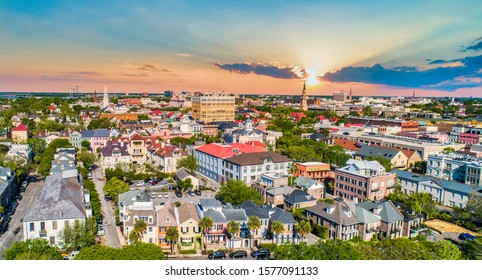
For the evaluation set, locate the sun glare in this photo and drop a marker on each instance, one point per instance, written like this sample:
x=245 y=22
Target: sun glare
x=312 y=78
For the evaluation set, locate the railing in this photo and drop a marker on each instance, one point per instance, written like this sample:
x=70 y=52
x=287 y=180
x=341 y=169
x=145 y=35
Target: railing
x=43 y=233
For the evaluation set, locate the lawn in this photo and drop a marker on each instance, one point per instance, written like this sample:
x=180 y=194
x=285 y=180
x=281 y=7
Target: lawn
x=443 y=226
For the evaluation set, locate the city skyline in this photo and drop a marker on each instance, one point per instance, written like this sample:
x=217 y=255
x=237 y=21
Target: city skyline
x=376 y=48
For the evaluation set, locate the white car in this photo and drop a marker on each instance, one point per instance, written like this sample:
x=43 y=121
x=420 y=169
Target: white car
x=166 y=195
x=72 y=255
x=140 y=184
x=100 y=230
x=153 y=195
x=159 y=195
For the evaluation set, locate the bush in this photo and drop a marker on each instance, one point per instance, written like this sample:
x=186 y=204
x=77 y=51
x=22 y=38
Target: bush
x=207 y=252
x=270 y=246
x=320 y=231
x=470 y=226
x=445 y=217
x=188 y=252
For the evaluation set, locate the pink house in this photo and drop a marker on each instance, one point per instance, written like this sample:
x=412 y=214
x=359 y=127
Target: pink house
x=469 y=138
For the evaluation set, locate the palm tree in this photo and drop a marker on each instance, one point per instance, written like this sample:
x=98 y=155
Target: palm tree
x=276 y=229
x=292 y=170
x=172 y=235
x=205 y=224
x=233 y=229
x=254 y=224
x=303 y=227
x=140 y=227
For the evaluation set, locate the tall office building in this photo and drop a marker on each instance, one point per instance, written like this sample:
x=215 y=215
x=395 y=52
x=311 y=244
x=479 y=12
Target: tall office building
x=213 y=107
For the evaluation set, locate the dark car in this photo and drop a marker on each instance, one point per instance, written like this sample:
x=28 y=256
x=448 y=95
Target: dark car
x=466 y=237
x=22 y=189
x=238 y=255
x=198 y=192
x=261 y=254
x=155 y=182
x=10 y=211
x=218 y=255
x=192 y=193
x=178 y=193
x=18 y=197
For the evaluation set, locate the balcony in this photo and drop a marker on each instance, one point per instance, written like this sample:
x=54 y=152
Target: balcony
x=349 y=231
x=42 y=233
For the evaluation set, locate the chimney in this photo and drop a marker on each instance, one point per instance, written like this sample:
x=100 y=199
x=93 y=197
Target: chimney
x=61 y=214
x=86 y=196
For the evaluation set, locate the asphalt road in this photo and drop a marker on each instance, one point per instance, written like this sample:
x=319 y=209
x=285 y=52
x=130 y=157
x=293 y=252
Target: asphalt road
x=112 y=233
x=15 y=227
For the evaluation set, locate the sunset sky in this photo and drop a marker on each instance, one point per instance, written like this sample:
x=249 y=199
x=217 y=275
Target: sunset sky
x=372 y=47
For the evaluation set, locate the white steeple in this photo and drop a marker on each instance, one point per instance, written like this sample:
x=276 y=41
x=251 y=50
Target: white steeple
x=105 y=102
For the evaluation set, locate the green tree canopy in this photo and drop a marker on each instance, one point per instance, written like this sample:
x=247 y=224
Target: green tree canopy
x=80 y=235
x=189 y=162
x=172 y=235
x=32 y=249
x=237 y=192
x=85 y=144
x=138 y=251
x=140 y=227
x=114 y=187
x=383 y=161
x=87 y=158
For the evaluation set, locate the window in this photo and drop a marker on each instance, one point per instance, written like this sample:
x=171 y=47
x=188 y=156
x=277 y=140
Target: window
x=150 y=229
x=163 y=229
x=42 y=225
x=150 y=240
x=54 y=224
x=52 y=240
x=32 y=227
x=66 y=223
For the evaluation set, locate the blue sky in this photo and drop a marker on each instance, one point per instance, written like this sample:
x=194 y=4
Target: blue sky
x=242 y=46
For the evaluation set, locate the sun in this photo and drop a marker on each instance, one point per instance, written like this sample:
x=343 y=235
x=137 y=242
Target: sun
x=311 y=78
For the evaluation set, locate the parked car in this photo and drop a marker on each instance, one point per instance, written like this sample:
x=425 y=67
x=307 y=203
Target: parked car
x=24 y=184
x=100 y=230
x=192 y=193
x=10 y=210
x=261 y=254
x=238 y=254
x=89 y=175
x=3 y=227
x=155 y=182
x=466 y=237
x=72 y=255
x=159 y=195
x=22 y=189
x=166 y=195
x=18 y=197
x=218 y=255
x=140 y=184
x=178 y=193
x=198 y=192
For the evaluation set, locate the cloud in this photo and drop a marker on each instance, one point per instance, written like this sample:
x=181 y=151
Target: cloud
x=186 y=55
x=475 y=46
x=152 y=68
x=443 y=78
x=135 y=75
x=443 y=61
x=85 y=73
x=275 y=71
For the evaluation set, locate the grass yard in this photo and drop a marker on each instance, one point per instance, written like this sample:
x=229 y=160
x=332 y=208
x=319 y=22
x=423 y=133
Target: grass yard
x=443 y=226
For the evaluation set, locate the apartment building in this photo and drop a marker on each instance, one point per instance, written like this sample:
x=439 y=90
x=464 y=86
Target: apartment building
x=456 y=167
x=213 y=107
x=360 y=180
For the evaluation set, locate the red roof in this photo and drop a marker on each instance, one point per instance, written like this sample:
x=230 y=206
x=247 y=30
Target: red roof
x=136 y=137
x=170 y=114
x=334 y=119
x=249 y=147
x=321 y=117
x=353 y=125
x=297 y=115
x=52 y=107
x=225 y=151
x=156 y=112
x=20 y=127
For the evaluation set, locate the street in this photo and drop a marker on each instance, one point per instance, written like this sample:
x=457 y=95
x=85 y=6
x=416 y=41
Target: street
x=111 y=231
x=15 y=228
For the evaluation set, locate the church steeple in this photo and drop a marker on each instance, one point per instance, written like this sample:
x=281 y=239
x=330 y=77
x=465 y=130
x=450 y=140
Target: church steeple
x=304 y=102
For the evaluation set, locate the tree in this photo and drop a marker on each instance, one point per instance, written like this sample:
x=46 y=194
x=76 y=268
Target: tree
x=367 y=111
x=1 y=210
x=303 y=228
x=383 y=161
x=38 y=147
x=172 y=235
x=254 y=223
x=448 y=150
x=276 y=229
x=85 y=144
x=3 y=149
x=138 y=251
x=87 y=158
x=32 y=249
x=82 y=234
x=445 y=250
x=292 y=170
x=189 y=162
x=205 y=224
x=474 y=205
x=420 y=167
x=185 y=184
x=140 y=227
x=237 y=192
x=114 y=187
x=233 y=230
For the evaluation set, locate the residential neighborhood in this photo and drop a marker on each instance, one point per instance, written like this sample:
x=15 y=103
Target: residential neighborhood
x=192 y=180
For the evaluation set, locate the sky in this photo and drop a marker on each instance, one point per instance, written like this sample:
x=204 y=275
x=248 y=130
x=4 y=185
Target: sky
x=247 y=47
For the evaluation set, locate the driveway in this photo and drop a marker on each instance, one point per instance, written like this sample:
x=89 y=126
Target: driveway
x=15 y=227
